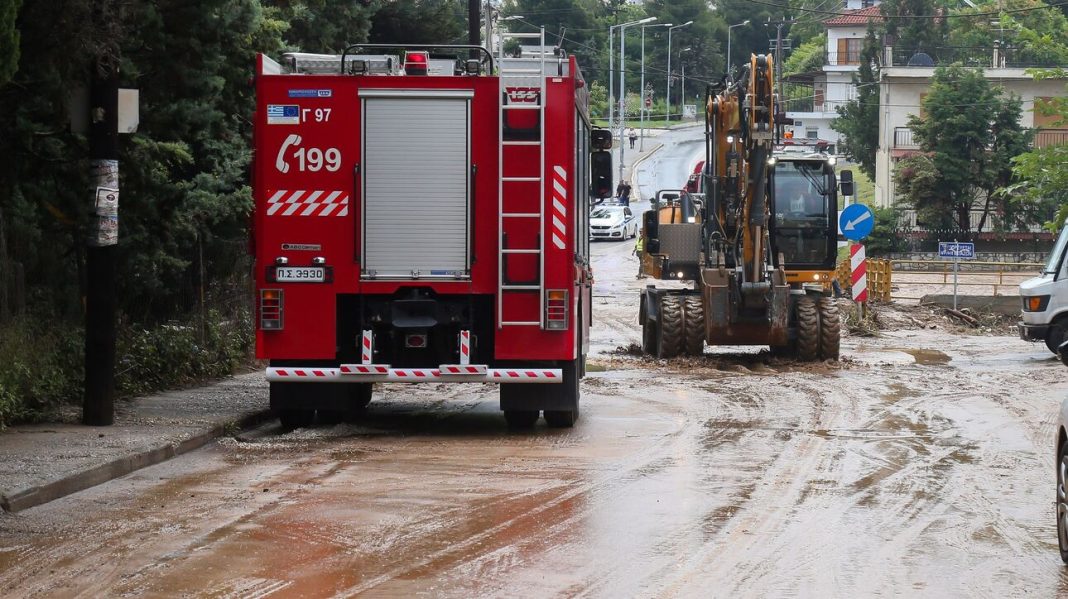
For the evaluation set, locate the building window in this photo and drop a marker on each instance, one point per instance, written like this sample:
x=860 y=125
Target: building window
x=812 y=133
x=849 y=50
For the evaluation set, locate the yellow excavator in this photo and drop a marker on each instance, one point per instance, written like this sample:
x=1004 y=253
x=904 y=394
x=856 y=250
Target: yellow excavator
x=756 y=253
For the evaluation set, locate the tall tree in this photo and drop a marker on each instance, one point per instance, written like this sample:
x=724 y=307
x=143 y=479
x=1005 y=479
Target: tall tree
x=858 y=119
x=9 y=39
x=913 y=25
x=419 y=22
x=1040 y=188
x=968 y=135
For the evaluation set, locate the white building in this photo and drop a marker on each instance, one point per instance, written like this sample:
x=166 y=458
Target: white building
x=823 y=92
x=903 y=89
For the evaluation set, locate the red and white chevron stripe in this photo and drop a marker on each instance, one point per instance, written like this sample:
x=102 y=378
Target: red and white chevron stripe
x=384 y=373
x=364 y=369
x=367 y=353
x=301 y=202
x=465 y=346
x=860 y=272
x=559 y=211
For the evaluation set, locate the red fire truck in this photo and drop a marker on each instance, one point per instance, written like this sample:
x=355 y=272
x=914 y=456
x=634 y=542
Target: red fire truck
x=421 y=216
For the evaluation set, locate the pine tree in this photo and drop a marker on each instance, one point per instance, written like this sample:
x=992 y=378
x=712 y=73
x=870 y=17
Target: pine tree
x=9 y=39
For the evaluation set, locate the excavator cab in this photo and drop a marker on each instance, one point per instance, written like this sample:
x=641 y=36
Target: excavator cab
x=804 y=214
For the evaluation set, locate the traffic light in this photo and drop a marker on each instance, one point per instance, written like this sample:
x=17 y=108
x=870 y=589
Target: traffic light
x=601 y=174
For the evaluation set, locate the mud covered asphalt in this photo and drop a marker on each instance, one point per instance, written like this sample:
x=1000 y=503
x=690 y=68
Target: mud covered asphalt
x=922 y=465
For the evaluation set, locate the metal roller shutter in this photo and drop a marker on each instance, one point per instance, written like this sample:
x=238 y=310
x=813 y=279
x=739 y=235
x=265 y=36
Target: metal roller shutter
x=416 y=168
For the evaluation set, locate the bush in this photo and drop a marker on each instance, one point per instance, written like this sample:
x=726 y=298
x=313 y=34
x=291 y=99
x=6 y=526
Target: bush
x=41 y=360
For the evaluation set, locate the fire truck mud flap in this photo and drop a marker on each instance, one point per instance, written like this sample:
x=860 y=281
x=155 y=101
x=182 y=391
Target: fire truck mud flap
x=523 y=396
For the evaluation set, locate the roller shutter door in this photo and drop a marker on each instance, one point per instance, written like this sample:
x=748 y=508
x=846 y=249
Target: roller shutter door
x=415 y=173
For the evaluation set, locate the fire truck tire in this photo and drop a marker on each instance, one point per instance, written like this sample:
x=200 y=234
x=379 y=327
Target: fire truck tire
x=570 y=391
x=292 y=419
x=694 y=325
x=669 y=338
x=520 y=419
x=830 y=328
x=808 y=329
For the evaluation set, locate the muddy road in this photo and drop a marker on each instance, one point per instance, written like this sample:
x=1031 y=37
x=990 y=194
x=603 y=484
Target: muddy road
x=921 y=465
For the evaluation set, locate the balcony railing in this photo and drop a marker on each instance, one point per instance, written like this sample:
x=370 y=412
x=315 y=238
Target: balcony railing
x=903 y=139
x=850 y=58
x=984 y=57
x=1045 y=138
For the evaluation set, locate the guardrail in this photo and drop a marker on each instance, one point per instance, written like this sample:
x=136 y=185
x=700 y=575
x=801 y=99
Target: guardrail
x=885 y=275
x=996 y=275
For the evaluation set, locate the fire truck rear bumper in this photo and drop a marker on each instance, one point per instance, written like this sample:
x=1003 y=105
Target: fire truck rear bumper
x=380 y=373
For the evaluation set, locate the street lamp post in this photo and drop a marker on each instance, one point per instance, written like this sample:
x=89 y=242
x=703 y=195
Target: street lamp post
x=668 y=94
x=682 y=107
x=745 y=22
x=641 y=145
x=622 y=87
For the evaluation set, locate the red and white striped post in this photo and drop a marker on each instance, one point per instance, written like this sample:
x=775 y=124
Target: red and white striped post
x=859 y=267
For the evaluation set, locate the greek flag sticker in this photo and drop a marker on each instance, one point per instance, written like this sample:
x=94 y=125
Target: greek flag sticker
x=283 y=114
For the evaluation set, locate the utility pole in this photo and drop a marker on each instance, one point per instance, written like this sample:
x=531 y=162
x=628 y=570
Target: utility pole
x=98 y=408
x=474 y=25
x=778 y=52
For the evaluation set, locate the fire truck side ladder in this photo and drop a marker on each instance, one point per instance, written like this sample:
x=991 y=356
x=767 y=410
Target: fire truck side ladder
x=525 y=77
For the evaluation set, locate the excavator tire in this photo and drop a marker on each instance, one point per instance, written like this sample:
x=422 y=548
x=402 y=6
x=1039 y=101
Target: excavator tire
x=808 y=329
x=830 y=328
x=670 y=332
x=694 y=325
x=649 y=337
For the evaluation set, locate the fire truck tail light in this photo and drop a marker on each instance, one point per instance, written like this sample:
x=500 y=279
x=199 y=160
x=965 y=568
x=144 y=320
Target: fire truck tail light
x=271 y=303
x=416 y=63
x=556 y=309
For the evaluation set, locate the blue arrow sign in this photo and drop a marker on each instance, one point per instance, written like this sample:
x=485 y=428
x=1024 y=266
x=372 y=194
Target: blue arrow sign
x=856 y=222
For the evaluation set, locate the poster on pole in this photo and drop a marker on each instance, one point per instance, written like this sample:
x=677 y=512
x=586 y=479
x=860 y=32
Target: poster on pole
x=104 y=216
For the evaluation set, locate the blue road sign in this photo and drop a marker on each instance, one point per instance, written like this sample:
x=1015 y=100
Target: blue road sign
x=954 y=249
x=856 y=222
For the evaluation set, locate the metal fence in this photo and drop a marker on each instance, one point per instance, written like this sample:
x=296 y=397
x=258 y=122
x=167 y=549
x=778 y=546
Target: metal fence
x=912 y=279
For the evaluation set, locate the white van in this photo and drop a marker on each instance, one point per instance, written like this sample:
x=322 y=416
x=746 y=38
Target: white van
x=1045 y=300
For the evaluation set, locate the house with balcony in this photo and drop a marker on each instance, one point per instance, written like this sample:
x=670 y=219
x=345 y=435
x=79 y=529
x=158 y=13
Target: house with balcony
x=906 y=79
x=812 y=98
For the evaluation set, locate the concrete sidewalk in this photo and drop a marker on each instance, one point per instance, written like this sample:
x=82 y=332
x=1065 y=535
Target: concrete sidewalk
x=39 y=463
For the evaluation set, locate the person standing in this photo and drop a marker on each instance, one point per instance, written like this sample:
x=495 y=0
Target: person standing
x=624 y=195
x=633 y=138
x=639 y=251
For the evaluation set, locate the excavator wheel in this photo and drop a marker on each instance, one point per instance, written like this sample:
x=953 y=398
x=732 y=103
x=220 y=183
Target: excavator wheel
x=649 y=336
x=670 y=332
x=830 y=328
x=694 y=325
x=808 y=329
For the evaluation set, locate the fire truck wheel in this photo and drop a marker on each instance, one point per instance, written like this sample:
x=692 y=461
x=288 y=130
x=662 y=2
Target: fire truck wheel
x=570 y=392
x=293 y=419
x=808 y=329
x=694 y=325
x=669 y=333
x=830 y=328
x=520 y=419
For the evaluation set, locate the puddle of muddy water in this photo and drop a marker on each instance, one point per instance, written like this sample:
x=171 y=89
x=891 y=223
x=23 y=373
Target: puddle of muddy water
x=924 y=357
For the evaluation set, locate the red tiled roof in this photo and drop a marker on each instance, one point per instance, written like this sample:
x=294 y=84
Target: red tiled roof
x=856 y=17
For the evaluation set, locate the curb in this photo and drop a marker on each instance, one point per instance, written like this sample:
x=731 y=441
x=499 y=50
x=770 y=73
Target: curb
x=634 y=166
x=26 y=498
